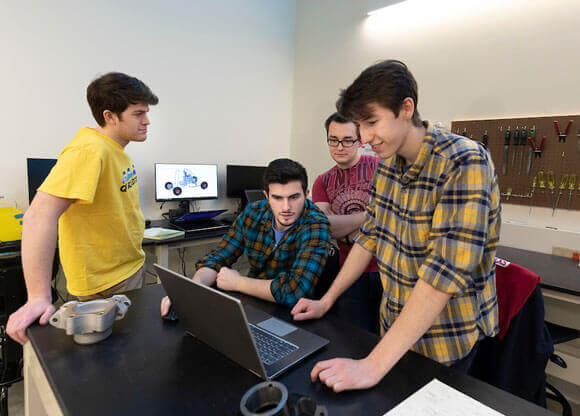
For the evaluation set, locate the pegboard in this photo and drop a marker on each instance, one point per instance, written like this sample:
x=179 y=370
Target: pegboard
x=560 y=157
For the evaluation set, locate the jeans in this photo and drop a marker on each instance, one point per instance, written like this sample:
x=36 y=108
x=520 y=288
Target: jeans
x=359 y=305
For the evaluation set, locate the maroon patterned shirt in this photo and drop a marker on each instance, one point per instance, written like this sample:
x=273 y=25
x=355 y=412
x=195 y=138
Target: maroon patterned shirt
x=347 y=191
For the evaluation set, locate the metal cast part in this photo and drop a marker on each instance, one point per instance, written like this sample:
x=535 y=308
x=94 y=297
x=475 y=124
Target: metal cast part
x=92 y=321
x=271 y=398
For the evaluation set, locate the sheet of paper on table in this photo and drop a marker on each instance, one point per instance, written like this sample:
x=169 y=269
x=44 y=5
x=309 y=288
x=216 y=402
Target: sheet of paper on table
x=438 y=399
x=157 y=233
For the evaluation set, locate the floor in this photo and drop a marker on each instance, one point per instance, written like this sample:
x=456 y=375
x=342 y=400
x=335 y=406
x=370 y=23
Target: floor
x=16 y=399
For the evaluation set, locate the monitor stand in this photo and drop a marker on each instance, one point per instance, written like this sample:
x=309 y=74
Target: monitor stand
x=183 y=208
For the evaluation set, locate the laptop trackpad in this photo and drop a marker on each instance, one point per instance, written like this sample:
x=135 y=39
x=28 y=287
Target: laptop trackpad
x=277 y=327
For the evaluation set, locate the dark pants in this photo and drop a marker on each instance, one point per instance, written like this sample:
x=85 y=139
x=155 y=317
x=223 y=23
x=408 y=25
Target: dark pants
x=465 y=363
x=360 y=304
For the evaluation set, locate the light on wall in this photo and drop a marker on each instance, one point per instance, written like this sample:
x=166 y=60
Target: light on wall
x=375 y=6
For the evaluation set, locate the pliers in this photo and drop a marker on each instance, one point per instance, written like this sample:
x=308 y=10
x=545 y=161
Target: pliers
x=537 y=149
x=562 y=136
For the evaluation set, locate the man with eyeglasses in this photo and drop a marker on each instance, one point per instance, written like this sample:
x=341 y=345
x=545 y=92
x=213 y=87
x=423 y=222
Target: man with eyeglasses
x=342 y=193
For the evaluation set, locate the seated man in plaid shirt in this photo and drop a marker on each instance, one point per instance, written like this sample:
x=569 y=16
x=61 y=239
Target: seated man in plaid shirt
x=286 y=239
x=432 y=222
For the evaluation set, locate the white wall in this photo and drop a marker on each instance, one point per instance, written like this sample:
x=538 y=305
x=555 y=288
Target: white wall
x=472 y=59
x=223 y=71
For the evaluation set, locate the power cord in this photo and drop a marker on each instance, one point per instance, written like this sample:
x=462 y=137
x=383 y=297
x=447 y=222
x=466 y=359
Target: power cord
x=181 y=253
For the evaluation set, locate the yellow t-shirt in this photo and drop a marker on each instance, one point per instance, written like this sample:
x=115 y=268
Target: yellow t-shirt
x=100 y=234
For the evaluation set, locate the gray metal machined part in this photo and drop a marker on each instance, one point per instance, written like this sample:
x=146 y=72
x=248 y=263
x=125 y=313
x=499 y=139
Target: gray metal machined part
x=90 y=321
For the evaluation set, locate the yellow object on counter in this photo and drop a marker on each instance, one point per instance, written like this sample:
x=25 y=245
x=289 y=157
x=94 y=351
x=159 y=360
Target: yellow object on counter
x=10 y=224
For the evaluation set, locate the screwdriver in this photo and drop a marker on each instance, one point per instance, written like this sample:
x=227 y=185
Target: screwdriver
x=551 y=185
x=516 y=142
x=541 y=183
x=506 y=150
x=534 y=181
x=532 y=140
x=522 y=144
x=571 y=184
x=508 y=194
x=563 y=184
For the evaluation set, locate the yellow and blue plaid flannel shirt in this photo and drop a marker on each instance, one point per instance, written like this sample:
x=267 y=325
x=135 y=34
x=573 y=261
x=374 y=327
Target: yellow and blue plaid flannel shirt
x=294 y=264
x=438 y=221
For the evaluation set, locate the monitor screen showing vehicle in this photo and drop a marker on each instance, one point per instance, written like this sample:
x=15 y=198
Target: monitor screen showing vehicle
x=185 y=181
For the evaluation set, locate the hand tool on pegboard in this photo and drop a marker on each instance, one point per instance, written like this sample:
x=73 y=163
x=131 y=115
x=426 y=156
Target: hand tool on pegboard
x=534 y=182
x=516 y=143
x=563 y=185
x=522 y=145
x=562 y=136
x=538 y=149
x=551 y=185
x=541 y=182
x=571 y=185
x=532 y=150
x=506 y=150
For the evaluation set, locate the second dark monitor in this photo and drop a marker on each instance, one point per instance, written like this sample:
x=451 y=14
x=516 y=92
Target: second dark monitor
x=239 y=178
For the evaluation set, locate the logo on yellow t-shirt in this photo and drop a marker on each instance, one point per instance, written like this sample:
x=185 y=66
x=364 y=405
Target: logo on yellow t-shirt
x=128 y=178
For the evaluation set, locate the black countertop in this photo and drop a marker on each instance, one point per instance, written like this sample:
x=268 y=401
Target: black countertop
x=557 y=273
x=150 y=367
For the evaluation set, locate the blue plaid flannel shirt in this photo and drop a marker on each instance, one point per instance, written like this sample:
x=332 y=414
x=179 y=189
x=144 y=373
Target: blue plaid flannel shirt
x=294 y=265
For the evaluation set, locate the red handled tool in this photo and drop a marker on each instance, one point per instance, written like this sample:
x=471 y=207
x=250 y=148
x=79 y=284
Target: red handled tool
x=537 y=149
x=562 y=136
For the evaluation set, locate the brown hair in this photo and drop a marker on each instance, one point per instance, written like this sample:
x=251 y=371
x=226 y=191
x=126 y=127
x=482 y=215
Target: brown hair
x=386 y=83
x=337 y=118
x=115 y=92
x=283 y=171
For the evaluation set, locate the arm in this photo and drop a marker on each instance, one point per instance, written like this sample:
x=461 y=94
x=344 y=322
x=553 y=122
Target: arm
x=229 y=249
x=354 y=265
x=39 y=234
x=356 y=262
x=228 y=279
x=422 y=308
x=341 y=225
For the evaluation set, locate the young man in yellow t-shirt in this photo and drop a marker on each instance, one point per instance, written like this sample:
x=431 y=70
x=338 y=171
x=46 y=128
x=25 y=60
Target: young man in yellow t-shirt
x=91 y=200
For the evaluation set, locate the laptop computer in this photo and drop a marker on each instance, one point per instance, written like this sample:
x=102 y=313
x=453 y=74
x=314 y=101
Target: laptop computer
x=198 y=216
x=262 y=344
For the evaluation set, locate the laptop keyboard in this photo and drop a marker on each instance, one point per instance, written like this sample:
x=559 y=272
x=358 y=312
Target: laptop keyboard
x=270 y=347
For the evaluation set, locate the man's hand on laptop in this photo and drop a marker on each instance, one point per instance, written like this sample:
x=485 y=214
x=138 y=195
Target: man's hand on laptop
x=165 y=305
x=309 y=309
x=228 y=279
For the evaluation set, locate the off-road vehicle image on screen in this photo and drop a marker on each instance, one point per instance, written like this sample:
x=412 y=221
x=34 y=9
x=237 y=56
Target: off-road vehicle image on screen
x=184 y=178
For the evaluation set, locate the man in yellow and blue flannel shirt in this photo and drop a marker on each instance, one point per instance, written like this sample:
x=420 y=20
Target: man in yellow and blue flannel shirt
x=433 y=224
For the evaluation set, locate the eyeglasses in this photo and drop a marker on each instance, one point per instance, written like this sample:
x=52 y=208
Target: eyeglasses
x=346 y=143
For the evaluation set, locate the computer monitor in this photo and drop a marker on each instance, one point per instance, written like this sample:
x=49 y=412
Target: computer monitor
x=239 y=178
x=38 y=170
x=180 y=181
